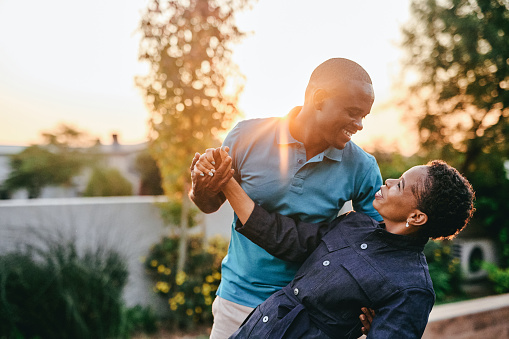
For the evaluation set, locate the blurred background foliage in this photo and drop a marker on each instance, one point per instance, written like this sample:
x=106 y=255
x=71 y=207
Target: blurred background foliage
x=107 y=182
x=53 y=290
x=191 y=89
x=457 y=75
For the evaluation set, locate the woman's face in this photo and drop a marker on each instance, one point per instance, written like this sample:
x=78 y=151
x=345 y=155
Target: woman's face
x=396 y=200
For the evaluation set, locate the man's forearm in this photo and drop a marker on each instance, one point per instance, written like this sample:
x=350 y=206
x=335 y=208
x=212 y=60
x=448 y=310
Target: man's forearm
x=207 y=204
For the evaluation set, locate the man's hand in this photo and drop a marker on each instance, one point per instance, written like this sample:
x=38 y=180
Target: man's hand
x=366 y=319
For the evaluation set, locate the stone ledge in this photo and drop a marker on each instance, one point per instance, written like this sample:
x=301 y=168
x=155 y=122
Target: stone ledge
x=472 y=319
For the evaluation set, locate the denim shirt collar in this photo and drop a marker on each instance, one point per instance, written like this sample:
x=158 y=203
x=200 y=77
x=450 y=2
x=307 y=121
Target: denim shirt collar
x=284 y=137
x=401 y=241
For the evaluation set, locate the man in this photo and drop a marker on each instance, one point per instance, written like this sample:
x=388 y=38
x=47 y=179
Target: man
x=303 y=165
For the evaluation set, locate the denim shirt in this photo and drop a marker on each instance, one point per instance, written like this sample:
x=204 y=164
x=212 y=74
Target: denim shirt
x=350 y=263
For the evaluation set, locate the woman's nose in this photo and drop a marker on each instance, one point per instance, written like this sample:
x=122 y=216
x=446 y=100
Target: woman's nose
x=389 y=182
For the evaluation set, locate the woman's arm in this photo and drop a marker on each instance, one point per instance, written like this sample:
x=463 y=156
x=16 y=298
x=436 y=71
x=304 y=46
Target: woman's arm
x=241 y=203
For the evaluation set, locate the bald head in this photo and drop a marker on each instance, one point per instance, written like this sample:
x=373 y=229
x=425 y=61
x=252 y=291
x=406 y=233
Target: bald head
x=331 y=74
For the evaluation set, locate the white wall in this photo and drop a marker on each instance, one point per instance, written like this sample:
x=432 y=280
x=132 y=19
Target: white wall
x=128 y=224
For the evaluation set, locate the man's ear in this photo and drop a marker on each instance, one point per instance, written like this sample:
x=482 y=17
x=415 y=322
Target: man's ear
x=418 y=218
x=318 y=98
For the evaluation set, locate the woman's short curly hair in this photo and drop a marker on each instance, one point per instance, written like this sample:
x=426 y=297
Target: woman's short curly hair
x=447 y=198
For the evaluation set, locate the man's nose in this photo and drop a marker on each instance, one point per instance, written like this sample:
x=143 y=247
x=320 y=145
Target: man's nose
x=358 y=124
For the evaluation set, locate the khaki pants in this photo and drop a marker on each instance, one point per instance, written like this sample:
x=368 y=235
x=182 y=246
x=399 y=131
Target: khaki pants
x=228 y=316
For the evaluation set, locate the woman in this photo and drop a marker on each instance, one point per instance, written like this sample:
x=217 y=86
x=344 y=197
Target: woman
x=354 y=261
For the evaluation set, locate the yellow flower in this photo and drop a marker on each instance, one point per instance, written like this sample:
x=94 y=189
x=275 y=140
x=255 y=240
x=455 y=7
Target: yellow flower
x=196 y=289
x=189 y=312
x=179 y=298
x=209 y=279
x=153 y=263
x=208 y=301
x=205 y=289
x=160 y=268
x=181 y=277
x=217 y=275
x=198 y=309
x=163 y=286
x=167 y=271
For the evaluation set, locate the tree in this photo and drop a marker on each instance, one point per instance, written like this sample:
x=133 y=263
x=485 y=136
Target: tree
x=36 y=167
x=459 y=51
x=188 y=47
x=54 y=163
x=150 y=175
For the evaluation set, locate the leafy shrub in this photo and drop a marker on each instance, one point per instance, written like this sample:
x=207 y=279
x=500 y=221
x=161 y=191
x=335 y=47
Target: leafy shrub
x=189 y=293
x=499 y=277
x=444 y=271
x=140 y=319
x=54 y=292
x=107 y=182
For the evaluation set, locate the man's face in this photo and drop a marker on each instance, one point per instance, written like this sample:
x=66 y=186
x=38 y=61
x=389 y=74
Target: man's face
x=342 y=112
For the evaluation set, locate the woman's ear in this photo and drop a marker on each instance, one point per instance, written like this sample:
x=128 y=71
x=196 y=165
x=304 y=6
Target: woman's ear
x=318 y=98
x=417 y=218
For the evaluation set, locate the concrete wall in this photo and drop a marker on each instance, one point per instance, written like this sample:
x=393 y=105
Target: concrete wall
x=129 y=225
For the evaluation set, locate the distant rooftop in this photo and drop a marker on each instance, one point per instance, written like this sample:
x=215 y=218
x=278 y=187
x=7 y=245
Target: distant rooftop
x=9 y=150
x=114 y=148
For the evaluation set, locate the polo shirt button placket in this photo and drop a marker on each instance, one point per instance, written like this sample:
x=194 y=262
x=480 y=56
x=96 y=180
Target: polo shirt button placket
x=265 y=319
x=296 y=291
x=364 y=246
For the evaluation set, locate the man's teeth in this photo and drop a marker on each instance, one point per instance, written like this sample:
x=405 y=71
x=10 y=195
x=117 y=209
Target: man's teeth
x=347 y=133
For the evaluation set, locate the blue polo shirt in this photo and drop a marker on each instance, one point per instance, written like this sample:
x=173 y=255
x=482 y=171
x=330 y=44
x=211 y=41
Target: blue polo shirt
x=271 y=167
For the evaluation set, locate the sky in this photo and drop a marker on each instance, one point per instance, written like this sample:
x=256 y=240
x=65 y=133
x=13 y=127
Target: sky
x=74 y=62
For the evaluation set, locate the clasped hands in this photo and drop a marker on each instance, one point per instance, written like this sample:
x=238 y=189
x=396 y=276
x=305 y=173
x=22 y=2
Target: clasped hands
x=211 y=170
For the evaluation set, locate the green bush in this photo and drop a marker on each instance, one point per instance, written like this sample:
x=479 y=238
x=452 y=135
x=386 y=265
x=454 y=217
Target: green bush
x=107 y=182
x=55 y=292
x=190 y=293
x=444 y=271
x=140 y=319
x=498 y=276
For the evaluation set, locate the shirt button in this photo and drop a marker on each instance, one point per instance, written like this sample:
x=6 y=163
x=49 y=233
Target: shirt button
x=296 y=291
x=326 y=263
x=265 y=319
x=300 y=161
x=364 y=246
